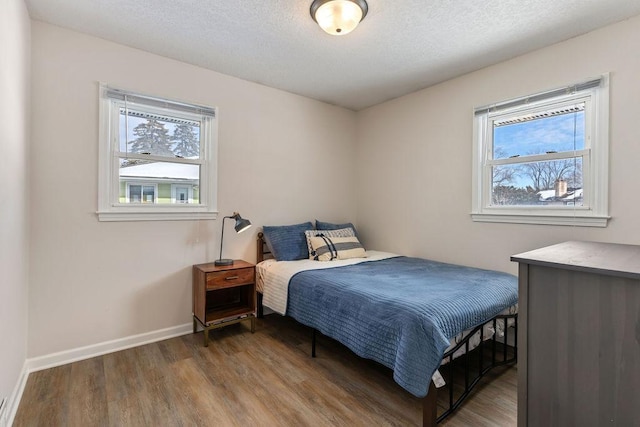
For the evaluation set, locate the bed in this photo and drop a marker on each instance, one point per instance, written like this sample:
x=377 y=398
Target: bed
x=379 y=306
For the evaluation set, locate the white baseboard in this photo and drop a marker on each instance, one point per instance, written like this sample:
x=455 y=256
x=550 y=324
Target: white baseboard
x=81 y=353
x=63 y=357
x=14 y=399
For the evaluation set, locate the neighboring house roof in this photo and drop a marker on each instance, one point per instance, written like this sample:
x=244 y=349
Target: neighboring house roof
x=547 y=194
x=160 y=170
x=551 y=195
x=575 y=195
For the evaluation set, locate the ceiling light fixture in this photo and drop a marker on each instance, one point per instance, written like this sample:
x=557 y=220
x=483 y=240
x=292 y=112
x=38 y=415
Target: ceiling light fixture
x=338 y=17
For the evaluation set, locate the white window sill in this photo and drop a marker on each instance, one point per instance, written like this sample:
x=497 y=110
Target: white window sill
x=571 y=220
x=155 y=216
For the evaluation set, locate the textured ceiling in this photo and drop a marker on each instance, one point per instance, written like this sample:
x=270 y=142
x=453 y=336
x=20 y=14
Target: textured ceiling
x=400 y=47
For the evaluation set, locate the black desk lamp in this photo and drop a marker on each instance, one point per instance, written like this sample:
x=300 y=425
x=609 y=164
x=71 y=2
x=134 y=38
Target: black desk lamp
x=241 y=225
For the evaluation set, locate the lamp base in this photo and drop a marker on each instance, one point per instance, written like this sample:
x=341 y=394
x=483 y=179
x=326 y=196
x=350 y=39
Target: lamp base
x=223 y=262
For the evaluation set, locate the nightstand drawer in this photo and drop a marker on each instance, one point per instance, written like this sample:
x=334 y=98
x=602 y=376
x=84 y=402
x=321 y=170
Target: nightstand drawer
x=230 y=278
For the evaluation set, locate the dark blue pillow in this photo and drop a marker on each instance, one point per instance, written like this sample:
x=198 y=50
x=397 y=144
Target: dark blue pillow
x=331 y=226
x=287 y=242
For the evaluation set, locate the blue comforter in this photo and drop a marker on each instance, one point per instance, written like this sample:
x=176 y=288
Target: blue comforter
x=400 y=312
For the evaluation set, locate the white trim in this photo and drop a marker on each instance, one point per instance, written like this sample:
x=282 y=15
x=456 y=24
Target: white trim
x=81 y=353
x=599 y=197
x=155 y=216
x=210 y=156
x=154 y=158
x=16 y=396
x=539 y=158
x=104 y=154
x=579 y=221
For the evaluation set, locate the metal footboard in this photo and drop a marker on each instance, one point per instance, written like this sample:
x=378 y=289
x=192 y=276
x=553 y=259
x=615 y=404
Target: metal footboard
x=507 y=355
x=483 y=366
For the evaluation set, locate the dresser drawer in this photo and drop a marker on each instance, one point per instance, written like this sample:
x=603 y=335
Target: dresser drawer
x=230 y=278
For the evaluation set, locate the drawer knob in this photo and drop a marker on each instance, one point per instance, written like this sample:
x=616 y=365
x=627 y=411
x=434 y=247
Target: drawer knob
x=231 y=278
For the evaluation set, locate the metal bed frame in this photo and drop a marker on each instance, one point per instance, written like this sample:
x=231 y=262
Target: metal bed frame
x=471 y=376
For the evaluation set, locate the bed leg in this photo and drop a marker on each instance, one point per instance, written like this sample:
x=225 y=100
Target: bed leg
x=260 y=307
x=430 y=407
x=313 y=344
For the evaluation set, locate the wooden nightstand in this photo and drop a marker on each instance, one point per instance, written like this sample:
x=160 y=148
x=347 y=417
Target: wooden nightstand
x=223 y=295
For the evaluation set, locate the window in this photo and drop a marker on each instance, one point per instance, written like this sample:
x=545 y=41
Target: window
x=157 y=158
x=543 y=159
x=141 y=193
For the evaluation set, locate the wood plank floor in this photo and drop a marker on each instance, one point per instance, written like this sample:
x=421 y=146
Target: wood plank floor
x=263 y=379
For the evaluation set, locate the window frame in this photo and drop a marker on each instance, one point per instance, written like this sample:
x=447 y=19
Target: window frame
x=595 y=158
x=109 y=206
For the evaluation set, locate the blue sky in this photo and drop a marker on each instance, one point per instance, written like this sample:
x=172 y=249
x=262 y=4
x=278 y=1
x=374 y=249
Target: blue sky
x=539 y=136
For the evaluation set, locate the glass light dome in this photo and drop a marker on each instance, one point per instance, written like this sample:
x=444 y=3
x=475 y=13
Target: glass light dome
x=338 y=17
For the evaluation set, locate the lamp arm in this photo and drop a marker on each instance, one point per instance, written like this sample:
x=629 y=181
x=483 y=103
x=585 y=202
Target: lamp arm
x=222 y=235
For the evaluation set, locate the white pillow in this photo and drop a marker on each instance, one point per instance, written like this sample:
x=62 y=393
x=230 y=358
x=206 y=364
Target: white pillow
x=329 y=248
x=341 y=232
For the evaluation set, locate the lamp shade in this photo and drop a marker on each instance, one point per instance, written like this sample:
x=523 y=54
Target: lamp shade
x=241 y=223
x=338 y=17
